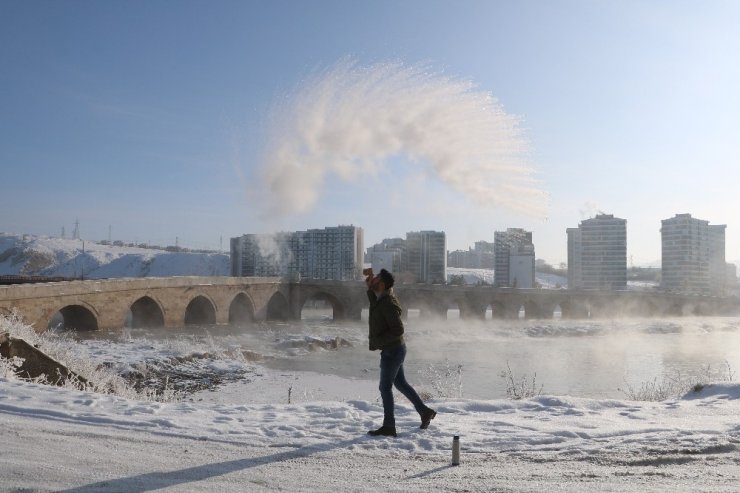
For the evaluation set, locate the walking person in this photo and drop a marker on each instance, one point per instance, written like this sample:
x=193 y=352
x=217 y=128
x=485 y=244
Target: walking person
x=386 y=334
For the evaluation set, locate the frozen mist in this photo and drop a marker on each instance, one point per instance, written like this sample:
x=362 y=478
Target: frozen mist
x=350 y=119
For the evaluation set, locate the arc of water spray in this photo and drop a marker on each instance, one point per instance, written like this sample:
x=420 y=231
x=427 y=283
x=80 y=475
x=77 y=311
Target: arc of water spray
x=349 y=119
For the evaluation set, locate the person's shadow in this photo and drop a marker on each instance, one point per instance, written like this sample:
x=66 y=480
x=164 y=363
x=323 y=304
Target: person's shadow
x=156 y=480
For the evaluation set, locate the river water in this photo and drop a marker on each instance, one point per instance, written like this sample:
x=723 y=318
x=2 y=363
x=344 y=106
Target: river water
x=454 y=357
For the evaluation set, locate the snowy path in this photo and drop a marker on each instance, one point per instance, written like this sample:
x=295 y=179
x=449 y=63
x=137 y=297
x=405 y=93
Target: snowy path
x=57 y=439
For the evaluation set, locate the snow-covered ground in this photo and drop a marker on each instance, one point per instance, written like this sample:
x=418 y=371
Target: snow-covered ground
x=60 y=439
x=40 y=255
x=246 y=436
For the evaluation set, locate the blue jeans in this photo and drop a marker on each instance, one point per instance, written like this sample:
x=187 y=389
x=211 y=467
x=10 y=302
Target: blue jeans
x=391 y=373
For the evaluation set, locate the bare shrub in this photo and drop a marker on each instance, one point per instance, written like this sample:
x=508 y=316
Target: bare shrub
x=655 y=390
x=522 y=388
x=445 y=380
x=9 y=367
x=60 y=346
x=678 y=384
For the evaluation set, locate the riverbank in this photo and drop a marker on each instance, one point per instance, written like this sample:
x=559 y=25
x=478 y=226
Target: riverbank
x=61 y=439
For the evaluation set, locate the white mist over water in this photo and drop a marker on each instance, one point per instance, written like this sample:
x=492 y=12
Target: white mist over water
x=584 y=358
x=350 y=121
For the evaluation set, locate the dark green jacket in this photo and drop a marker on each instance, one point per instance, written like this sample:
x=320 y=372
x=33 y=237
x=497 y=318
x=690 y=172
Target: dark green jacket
x=386 y=327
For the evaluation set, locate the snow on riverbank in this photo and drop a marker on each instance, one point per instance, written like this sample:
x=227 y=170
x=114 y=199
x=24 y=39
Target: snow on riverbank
x=59 y=439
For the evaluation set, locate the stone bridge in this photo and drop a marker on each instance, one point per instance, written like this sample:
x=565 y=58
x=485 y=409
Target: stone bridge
x=167 y=302
x=178 y=301
x=479 y=302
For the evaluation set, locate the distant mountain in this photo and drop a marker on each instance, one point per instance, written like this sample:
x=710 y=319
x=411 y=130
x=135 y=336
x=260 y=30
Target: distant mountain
x=45 y=256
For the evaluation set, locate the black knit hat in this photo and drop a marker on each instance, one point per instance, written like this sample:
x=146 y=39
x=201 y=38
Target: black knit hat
x=387 y=278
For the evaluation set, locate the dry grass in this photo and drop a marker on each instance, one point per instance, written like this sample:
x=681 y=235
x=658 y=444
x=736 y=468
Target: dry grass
x=60 y=346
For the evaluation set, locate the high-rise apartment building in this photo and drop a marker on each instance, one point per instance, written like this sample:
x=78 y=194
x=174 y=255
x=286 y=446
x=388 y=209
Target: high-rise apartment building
x=481 y=256
x=597 y=253
x=717 y=262
x=329 y=253
x=459 y=259
x=388 y=254
x=693 y=256
x=731 y=278
x=575 y=267
x=522 y=267
x=426 y=256
x=513 y=258
x=261 y=255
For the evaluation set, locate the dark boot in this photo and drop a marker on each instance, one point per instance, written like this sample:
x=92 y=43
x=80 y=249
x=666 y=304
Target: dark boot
x=383 y=431
x=426 y=416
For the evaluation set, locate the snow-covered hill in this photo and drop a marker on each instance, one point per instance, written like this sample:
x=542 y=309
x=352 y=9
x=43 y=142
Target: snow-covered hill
x=45 y=256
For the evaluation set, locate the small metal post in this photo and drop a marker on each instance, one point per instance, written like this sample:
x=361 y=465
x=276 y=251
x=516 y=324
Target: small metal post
x=456 y=450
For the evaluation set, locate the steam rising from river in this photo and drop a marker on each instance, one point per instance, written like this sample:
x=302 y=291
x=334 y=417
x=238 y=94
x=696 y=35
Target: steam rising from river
x=587 y=358
x=349 y=121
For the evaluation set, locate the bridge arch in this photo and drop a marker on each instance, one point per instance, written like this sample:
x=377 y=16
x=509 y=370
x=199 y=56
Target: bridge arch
x=200 y=311
x=74 y=317
x=571 y=309
x=674 y=309
x=494 y=309
x=601 y=307
x=146 y=312
x=644 y=308
x=433 y=309
x=531 y=309
x=241 y=309
x=557 y=311
x=338 y=309
x=552 y=309
x=699 y=309
x=454 y=310
x=278 y=307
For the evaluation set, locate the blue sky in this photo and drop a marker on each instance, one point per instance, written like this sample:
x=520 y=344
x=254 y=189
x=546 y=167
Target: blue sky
x=150 y=116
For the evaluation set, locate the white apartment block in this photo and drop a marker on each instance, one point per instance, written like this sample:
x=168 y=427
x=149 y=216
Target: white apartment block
x=331 y=253
x=426 y=256
x=261 y=255
x=575 y=254
x=597 y=254
x=693 y=256
x=513 y=246
x=718 y=280
x=388 y=255
x=481 y=256
x=384 y=260
x=521 y=268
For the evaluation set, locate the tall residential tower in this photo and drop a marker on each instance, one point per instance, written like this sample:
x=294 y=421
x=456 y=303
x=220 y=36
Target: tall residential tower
x=514 y=261
x=693 y=256
x=330 y=253
x=597 y=254
x=426 y=256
